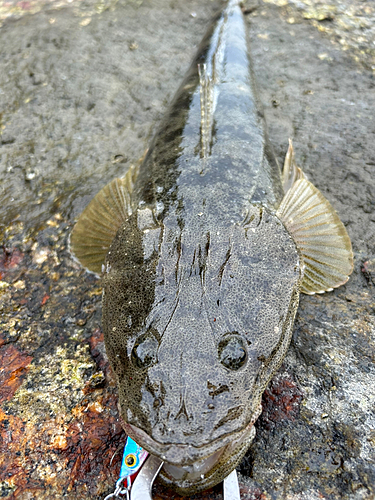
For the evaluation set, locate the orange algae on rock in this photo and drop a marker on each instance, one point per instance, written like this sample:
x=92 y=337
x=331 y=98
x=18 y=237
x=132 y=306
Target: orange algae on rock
x=69 y=452
x=13 y=367
x=63 y=453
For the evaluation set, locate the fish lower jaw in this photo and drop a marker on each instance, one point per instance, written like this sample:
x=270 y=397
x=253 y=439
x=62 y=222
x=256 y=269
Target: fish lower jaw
x=188 y=469
x=198 y=469
x=195 y=471
x=207 y=472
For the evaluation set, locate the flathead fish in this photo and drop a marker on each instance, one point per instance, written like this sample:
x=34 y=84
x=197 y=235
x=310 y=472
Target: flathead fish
x=204 y=249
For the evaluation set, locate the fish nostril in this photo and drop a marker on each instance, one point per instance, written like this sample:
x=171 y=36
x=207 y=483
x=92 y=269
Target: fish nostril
x=157 y=403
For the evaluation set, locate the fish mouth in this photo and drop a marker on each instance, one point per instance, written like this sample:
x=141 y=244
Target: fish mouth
x=199 y=470
x=186 y=466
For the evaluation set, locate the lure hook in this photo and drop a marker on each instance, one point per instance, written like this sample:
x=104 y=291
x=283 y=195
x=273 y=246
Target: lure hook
x=120 y=491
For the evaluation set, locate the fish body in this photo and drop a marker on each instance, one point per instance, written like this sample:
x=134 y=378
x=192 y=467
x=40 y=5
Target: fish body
x=205 y=264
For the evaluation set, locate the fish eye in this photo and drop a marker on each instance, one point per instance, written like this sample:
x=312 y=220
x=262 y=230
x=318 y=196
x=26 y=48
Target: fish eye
x=232 y=351
x=130 y=460
x=144 y=351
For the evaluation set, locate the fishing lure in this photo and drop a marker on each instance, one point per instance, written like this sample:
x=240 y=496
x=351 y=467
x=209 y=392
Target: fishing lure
x=133 y=458
x=140 y=474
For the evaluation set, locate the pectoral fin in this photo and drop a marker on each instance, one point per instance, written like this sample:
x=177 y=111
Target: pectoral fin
x=318 y=233
x=99 y=222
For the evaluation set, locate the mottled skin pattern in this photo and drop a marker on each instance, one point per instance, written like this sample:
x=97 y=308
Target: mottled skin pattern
x=203 y=262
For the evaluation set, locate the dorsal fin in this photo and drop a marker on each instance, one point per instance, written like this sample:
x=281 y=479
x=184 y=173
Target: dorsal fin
x=318 y=233
x=99 y=222
x=291 y=173
x=206 y=100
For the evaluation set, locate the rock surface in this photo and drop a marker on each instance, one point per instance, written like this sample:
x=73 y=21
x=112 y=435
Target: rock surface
x=82 y=88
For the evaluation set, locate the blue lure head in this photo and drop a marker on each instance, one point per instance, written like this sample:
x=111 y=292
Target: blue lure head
x=132 y=460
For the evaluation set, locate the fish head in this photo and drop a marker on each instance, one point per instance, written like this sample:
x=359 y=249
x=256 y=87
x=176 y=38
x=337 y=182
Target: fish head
x=196 y=322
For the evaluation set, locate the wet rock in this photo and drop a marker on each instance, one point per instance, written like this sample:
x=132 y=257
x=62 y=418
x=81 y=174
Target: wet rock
x=368 y=270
